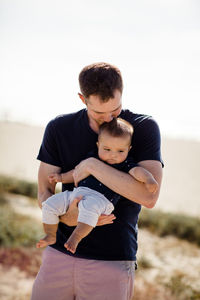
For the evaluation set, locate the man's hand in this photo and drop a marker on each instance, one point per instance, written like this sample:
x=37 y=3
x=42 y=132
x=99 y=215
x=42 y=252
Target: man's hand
x=82 y=170
x=71 y=216
x=106 y=219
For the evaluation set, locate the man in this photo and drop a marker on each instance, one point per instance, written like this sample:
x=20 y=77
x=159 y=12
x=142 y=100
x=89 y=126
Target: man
x=104 y=262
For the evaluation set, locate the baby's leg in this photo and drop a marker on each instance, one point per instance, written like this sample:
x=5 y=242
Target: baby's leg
x=81 y=231
x=90 y=208
x=50 y=238
x=52 y=208
x=146 y=177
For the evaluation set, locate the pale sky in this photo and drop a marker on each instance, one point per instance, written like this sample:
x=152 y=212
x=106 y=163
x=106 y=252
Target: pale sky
x=156 y=45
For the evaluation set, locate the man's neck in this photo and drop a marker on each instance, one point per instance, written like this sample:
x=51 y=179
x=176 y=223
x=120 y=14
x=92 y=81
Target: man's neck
x=94 y=125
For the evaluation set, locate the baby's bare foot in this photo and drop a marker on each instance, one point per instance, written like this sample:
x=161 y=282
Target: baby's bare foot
x=71 y=244
x=47 y=240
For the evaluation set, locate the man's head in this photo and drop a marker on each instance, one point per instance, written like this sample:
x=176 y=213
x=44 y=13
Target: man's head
x=114 y=140
x=100 y=79
x=101 y=90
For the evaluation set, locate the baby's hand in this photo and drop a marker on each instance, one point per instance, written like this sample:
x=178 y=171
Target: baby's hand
x=54 y=178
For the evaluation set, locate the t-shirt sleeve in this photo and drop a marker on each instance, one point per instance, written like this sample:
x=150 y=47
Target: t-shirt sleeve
x=48 y=152
x=147 y=141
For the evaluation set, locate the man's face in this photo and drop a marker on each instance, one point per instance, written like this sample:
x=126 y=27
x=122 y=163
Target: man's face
x=100 y=112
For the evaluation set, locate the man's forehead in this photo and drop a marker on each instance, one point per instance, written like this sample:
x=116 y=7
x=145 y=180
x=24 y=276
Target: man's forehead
x=98 y=105
x=106 y=109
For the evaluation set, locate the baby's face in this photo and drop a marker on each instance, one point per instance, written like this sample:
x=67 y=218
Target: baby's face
x=113 y=150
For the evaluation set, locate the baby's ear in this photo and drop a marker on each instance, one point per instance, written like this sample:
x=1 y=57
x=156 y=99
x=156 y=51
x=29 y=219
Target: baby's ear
x=97 y=144
x=130 y=147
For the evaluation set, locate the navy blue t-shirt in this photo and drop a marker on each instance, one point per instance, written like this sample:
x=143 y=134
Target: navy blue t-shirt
x=67 y=140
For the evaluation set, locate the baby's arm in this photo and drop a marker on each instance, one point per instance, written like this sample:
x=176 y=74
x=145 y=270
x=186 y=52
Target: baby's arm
x=61 y=177
x=142 y=175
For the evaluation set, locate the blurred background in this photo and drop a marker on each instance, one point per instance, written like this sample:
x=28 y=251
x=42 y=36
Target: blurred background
x=156 y=45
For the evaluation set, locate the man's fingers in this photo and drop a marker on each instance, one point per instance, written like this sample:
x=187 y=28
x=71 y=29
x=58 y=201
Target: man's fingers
x=76 y=200
x=70 y=218
x=104 y=219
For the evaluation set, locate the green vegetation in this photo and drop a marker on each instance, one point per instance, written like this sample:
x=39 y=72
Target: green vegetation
x=3 y=200
x=17 y=230
x=162 y=224
x=17 y=186
x=144 y=263
x=180 y=289
x=21 y=187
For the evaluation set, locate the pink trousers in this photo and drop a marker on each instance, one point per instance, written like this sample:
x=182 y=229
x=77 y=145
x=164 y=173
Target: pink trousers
x=63 y=277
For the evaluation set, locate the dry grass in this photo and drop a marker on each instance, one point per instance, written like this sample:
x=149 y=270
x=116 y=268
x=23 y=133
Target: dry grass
x=164 y=224
x=27 y=260
x=23 y=264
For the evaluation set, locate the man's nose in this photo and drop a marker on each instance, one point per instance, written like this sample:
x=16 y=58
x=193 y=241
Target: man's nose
x=108 y=118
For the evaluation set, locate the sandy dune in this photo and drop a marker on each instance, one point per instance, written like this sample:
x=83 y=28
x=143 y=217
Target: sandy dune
x=180 y=188
x=19 y=145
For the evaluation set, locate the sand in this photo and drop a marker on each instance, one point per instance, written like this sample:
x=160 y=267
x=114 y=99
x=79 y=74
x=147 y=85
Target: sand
x=181 y=177
x=19 y=145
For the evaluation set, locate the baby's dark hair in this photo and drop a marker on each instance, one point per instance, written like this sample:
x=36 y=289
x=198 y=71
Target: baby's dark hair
x=100 y=79
x=117 y=128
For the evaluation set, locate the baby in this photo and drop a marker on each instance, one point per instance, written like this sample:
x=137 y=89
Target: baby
x=114 y=143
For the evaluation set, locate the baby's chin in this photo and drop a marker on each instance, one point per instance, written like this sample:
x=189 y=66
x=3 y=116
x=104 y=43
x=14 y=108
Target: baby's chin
x=112 y=162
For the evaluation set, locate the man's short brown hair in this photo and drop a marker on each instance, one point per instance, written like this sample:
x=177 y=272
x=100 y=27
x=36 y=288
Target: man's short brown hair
x=100 y=79
x=117 y=128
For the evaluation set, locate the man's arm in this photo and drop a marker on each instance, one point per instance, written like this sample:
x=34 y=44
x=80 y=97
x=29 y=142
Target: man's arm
x=120 y=182
x=45 y=188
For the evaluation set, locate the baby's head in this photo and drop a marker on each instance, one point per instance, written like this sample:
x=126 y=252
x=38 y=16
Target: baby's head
x=114 y=141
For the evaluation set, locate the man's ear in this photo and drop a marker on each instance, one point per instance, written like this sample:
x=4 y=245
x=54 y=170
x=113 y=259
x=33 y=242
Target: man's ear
x=82 y=98
x=97 y=144
x=130 y=148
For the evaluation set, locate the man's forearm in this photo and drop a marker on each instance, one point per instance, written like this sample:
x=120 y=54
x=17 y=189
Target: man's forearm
x=122 y=183
x=45 y=188
x=67 y=177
